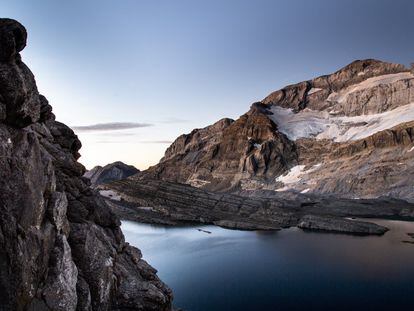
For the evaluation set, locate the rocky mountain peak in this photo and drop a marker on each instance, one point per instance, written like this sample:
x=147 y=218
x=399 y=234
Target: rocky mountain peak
x=357 y=120
x=305 y=94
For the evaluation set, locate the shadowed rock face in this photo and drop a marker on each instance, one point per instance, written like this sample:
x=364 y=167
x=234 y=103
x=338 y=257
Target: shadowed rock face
x=61 y=247
x=110 y=172
x=357 y=121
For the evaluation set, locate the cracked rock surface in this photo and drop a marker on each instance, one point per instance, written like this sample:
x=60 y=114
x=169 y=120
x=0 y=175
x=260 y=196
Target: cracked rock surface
x=61 y=247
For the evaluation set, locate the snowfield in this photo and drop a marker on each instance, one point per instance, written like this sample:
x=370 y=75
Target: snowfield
x=325 y=125
x=321 y=125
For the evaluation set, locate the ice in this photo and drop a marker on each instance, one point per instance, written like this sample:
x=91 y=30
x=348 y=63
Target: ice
x=322 y=125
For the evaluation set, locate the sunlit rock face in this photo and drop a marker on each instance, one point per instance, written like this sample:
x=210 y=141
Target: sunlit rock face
x=349 y=133
x=61 y=248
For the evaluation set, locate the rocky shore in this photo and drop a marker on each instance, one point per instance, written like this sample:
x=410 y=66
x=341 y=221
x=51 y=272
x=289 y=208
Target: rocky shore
x=155 y=201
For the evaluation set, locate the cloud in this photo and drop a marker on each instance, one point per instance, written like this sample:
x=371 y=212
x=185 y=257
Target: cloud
x=111 y=126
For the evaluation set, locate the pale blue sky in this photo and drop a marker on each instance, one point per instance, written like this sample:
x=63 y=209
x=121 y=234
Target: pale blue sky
x=177 y=65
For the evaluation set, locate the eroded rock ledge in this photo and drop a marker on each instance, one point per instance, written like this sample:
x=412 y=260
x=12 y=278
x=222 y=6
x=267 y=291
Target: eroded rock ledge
x=156 y=201
x=61 y=247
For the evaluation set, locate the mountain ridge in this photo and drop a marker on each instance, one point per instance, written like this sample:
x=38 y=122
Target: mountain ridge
x=362 y=111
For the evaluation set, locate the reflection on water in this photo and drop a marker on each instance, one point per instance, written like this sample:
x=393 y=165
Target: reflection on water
x=285 y=270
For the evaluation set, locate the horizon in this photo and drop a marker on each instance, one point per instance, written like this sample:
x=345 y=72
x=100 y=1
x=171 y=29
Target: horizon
x=186 y=65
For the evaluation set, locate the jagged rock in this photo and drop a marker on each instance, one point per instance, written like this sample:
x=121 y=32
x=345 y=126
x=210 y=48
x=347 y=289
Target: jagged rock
x=110 y=172
x=61 y=247
x=357 y=121
x=219 y=156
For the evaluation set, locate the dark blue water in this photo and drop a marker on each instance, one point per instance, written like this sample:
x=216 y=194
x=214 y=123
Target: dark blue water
x=286 y=270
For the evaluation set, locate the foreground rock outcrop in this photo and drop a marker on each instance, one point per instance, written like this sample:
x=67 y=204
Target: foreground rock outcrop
x=357 y=121
x=61 y=247
x=110 y=172
x=156 y=201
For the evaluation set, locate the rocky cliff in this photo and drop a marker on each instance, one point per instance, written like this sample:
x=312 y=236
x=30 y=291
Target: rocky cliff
x=110 y=172
x=61 y=247
x=357 y=121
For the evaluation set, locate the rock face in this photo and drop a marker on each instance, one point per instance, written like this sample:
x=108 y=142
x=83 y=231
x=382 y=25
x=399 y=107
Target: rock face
x=357 y=121
x=156 y=201
x=61 y=247
x=110 y=172
x=317 y=223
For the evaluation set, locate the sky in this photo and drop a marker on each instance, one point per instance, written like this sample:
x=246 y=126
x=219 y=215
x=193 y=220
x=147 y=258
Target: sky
x=130 y=76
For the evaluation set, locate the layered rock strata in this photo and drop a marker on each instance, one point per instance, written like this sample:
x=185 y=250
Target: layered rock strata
x=156 y=201
x=357 y=121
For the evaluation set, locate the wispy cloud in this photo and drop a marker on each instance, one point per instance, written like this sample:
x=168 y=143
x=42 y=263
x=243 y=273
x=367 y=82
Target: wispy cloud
x=111 y=126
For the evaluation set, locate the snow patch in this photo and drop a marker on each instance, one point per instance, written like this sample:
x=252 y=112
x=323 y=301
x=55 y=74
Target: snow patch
x=305 y=191
x=145 y=208
x=110 y=194
x=320 y=124
x=109 y=262
x=257 y=146
x=314 y=90
x=9 y=141
x=412 y=149
x=292 y=176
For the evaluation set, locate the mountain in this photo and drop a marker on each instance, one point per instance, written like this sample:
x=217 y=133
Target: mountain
x=349 y=134
x=110 y=172
x=61 y=247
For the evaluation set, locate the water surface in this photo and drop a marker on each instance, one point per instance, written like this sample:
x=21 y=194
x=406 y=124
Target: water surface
x=285 y=270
